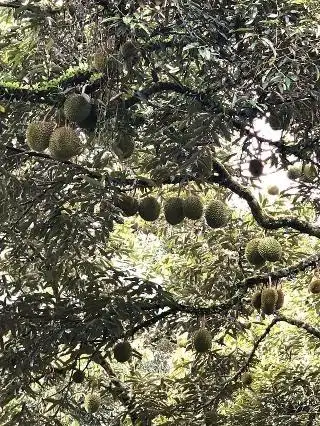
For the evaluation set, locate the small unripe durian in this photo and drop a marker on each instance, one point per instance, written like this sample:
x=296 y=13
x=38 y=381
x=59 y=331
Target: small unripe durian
x=38 y=135
x=280 y=299
x=76 y=108
x=64 y=143
x=128 y=50
x=247 y=379
x=269 y=297
x=92 y=402
x=78 y=376
x=129 y=205
x=256 y=300
x=124 y=146
x=193 y=207
x=309 y=173
x=122 y=351
x=270 y=249
x=252 y=252
x=273 y=190
x=173 y=210
x=256 y=167
x=294 y=172
x=314 y=286
x=149 y=208
x=202 y=340
x=217 y=214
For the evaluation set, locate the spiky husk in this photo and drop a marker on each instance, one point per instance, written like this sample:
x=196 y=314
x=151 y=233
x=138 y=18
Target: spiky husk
x=173 y=210
x=78 y=376
x=280 y=299
x=314 y=286
x=92 y=402
x=124 y=146
x=64 y=143
x=309 y=173
x=122 y=351
x=217 y=214
x=76 y=108
x=256 y=167
x=294 y=172
x=247 y=379
x=202 y=340
x=38 y=135
x=128 y=50
x=160 y=175
x=252 y=252
x=269 y=297
x=149 y=208
x=270 y=249
x=273 y=190
x=280 y=119
x=256 y=300
x=129 y=205
x=193 y=207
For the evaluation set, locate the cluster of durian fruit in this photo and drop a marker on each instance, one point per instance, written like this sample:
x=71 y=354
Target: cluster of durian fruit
x=303 y=172
x=122 y=352
x=176 y=209
x=261 y=250
x=268 y=300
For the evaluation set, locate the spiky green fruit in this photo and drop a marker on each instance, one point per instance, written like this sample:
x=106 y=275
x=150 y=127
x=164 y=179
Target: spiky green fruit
x=280 y=299
x=38 y=135
x=269 y=297
x=149 y=208
x=76 y=108
x=173 y=210
x=193 y=207
x=256 y=300
x=122 y=351
x=78 y=376
x=247 y=379
x=217 y=214
x=252 y=252
x=294 y=172
x=202 y=340
x=124 y=146
x=64 y=143
x=204 y=163
x=270 y=249
x=309 y=173
x=128 y=50
x=129 y=205
x=92 y=402
x=256 y=167
x=314 y=286
x=273 y=190
x=160 y=175
x=280 y=119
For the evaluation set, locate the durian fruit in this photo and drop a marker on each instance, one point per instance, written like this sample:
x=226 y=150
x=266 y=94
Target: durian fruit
x=193 y=207
x=92 y=402
x=202 y=340
x=270 y=249
x=256 y=300
x=160 y=175
x=64 y=143
x=76 y=108
x=280 y=299
x=280 y=119
x=247 y=379
x=38 y=135
x=294 y=172
x=122 y=351
x=314 y=286
x=252 y=253
x=124 y=146
x=217 y=214
x=269 y=297
x=99 y=59
x=273 y=190
x=129 y=205
x=309 y=173
x=256 y=167
x=173 y=210
x=78 y=376
x=210 y=418
x=204 y=163
x=149 y=208
x=129 y=51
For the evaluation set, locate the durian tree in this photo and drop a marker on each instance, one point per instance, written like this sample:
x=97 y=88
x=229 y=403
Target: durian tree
x=149 y=273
